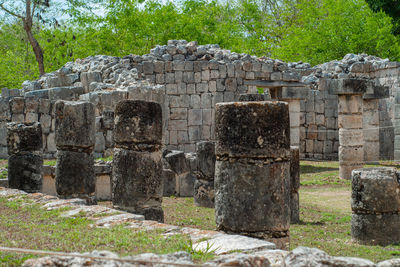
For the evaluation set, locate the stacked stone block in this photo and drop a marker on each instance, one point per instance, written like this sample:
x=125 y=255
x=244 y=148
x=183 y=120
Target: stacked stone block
x=319 y=137
x=371 y=130
x=204 y=184
x=294 y=184
x=75 y=139
x=376 y=205
x=137 y=184
x=252 y=172
x=25 y=162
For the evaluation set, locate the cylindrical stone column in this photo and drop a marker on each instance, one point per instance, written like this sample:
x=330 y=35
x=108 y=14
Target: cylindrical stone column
x=204 y=184
x=137 y=184
x=252 y=172
x=376 y=206
x=371 y=130
x=294 y=184
x=25 y=162
x=75 y=139
x=351 y=136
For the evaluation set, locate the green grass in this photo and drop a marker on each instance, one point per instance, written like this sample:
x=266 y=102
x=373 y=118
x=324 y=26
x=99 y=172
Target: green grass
x=29 y=226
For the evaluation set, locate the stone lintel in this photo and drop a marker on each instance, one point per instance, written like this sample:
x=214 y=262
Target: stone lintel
x=290 y=93
x=379 y=92
x=273 y=84
x=350 y=86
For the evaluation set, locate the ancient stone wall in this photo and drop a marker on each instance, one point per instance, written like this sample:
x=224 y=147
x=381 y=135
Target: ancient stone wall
x=188 y=80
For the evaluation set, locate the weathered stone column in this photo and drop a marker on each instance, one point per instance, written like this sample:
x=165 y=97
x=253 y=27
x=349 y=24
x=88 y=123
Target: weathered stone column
x=137 y=168
x=252 y=172
x=350 y=122
x=75 y=139
x=204 y=184
x=294 y=184
x=376 y=206
x=371 y=130
x=25 y=162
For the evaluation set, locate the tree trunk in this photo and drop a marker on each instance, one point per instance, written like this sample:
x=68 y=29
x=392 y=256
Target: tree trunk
x=36 y=48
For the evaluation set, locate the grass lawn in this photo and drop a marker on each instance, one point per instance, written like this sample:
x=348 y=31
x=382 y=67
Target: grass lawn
x=324 y=209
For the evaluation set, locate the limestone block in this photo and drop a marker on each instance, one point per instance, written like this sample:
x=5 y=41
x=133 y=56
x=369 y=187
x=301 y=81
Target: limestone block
x=252 y=198
x=276 y=76
x=195 y=117
x=195 y=101
x=350 y=104
x=204 y=193
x=205 y=75
x=205 y=132
x=371 y=134
x=351 y=154
x=375 y=190
x=169 y=182
x=349 y=86
x=31 y=117
x=206 y=159
x=207 y=116
x=108 y=119
x=345 y=168
x=75 y=125
x=24 y=137
x=25 y=172
x=371 y=152
x=148 y=67
x=88 y=77
x=320 y=119
x=374 y=229
x=178 y=114
x=322 y=133
x=294 y=169
x=137 y=183
x=65 y=93
x=206 y=100
x=138 y=122
x=75 y=176
x=45 y=122
x=267 y=121
x=177 y=161
x=177 y=125
x=159 y=66
x=100 y=144
x=294 y=207
x=294 y=136
x=31 y=105
x=353 y=137
x=17 y=105
x=231 y=84
x=190 y=88
x=169 y=78
x=51 y=143
x=350 y=121
x=309 y=146
x=178 y=65
x=183 y=137
x=181 y=101
x=312 y=132
x=194 y=133
x=230 y=70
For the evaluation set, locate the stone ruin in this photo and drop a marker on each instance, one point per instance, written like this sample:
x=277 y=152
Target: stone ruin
x=174 y=98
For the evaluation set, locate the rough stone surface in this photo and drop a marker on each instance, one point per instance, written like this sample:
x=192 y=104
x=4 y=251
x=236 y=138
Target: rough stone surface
x=138 y=122
x=294 y=184
x=137 y=184
x=75 y=176
x=24 y=137
x=204 y=195
x=375 y=190
x=252 y=198
x=268 y=123
x=75 y=125
x=375 y=229
x=25 y=172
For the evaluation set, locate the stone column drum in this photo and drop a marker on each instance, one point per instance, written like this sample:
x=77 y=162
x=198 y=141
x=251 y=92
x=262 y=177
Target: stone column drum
x=204 y=184
x=137 y=184
x=252 y=172
x=75 y=139
x=25 y=162
x=294 y=184
x=376 y=205
x=371 y=130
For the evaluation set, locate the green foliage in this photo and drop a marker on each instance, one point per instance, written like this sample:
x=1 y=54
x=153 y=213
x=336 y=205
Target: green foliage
x=390 y=7
x=322 y=30
x=311 y=31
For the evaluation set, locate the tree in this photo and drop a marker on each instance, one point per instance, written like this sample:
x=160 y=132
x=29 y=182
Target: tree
x=390 y=7
x=31 y=10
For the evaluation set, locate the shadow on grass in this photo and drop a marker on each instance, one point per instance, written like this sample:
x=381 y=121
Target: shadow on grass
x=301 y=222
x=315 y=169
